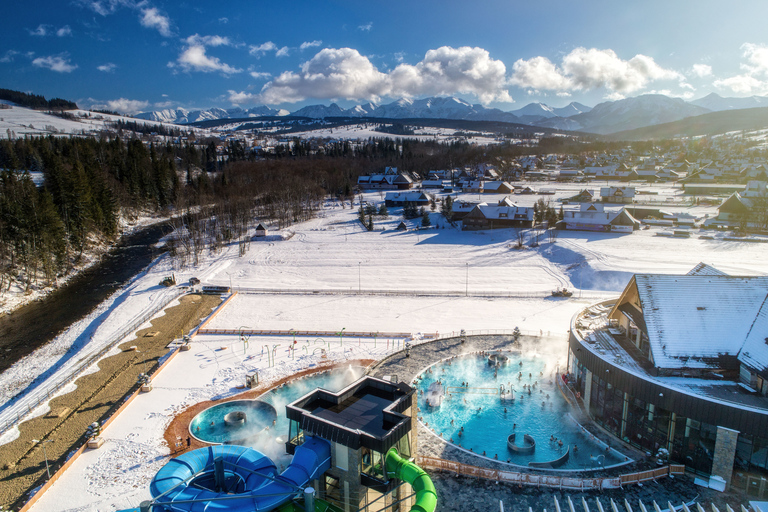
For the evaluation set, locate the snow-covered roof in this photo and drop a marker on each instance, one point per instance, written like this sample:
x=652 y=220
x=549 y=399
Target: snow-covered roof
x=754 y=352
x=506 y=212
x=694 y=319
x=704 y=269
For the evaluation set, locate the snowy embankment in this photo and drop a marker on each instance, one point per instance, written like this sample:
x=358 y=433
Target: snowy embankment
x=333 y=252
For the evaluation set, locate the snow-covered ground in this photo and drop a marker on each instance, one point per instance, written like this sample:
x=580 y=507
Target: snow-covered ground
x=20 y=121
x=332 y=253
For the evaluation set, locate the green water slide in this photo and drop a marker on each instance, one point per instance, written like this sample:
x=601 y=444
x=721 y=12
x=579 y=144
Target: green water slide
x=407 y=471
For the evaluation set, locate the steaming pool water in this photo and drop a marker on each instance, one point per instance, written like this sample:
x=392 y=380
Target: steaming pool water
x=472 y=400
x=258 y=430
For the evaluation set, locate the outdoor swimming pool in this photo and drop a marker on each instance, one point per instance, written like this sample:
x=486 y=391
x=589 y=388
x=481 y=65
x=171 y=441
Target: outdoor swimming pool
x=265 y=427
x=473 y=401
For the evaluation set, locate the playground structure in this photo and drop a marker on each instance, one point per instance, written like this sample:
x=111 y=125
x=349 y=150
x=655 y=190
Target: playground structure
x=351 y=451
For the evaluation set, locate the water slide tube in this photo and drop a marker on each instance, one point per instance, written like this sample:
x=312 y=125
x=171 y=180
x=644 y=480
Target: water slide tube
x=252 y=484
x=407 y=471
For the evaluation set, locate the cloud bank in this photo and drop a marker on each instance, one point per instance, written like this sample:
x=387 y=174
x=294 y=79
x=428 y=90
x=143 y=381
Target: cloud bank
x=589 y=69
x=345 y=73
x=754 y=79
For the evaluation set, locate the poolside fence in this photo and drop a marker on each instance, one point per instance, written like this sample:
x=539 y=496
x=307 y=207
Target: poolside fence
x=557 y=482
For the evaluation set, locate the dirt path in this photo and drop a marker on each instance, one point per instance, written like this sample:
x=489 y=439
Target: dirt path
x=22 y=462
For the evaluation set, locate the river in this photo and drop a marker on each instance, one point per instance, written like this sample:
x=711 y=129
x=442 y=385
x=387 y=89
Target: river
x=35 y=324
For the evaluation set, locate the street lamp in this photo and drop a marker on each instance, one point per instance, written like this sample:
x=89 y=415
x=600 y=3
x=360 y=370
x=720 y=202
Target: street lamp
x=230 y=281
x=341 y=336
x=45 y=454
x=466 y=290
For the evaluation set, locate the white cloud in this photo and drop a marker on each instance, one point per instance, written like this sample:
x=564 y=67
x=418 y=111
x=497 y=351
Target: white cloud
x=106 y=7
x=344 y=73
x=64 y=31
x=163 y=104
x=40 y=31
x=757 y=59
x=367 y=27
x=586 y=69
x=283 y=52
x=538 y=73
x=263 y=48
x=258 y=75
x=309 y=44
x=224 y=20
x=239 y=98
x=56 y=63
x=126 y=106
x=107 y=68
x=198 y=40
x=754 y=79
x=742 y=84
x=9 y=55
x=193 y=58
x=449 y=70
x=702 y=70
x=151 y=18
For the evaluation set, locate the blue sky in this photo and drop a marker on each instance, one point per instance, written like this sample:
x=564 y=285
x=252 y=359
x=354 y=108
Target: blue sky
x=133 y=56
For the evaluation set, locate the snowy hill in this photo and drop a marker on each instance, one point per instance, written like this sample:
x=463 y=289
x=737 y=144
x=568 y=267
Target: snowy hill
x=183 y=116
x=715 y=102
x=20 y=121
x=535 y=109
x=631 y=113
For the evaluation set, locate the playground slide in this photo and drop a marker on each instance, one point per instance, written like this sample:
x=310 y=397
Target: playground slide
x=250 y=478
x=407 y=471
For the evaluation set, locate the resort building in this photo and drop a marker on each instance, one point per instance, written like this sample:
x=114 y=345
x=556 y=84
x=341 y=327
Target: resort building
x=678 y=366
x=594 y=217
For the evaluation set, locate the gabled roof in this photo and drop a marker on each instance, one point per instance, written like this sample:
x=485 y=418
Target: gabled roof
x=703 y=269
x=693 y=320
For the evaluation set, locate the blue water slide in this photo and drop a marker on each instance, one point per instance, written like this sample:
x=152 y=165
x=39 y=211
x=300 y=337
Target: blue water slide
x=247 y=480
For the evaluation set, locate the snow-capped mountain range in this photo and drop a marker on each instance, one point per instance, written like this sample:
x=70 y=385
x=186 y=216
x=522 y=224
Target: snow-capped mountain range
x=606 y=117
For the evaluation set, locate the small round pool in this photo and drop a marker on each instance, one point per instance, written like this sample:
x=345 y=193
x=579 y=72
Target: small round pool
x=234 y=422
x=486 y=402
x=261 y=424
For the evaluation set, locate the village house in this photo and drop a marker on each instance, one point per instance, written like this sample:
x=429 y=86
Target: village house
x=622 y=195
x=401 y=198
x=484 y=216
x=594 y=217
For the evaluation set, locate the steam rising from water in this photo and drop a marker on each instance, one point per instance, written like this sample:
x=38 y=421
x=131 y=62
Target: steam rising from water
x=271 y=442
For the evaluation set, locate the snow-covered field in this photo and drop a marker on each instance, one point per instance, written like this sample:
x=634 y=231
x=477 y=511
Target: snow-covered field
x=468 y=273
x=23 y=121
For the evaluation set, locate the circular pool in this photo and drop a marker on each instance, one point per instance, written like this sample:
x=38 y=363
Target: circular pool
x=234 y=422
x=485 y=404
x=261 y=423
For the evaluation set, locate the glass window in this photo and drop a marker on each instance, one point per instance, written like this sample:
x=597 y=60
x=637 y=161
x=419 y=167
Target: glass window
x=341 y=456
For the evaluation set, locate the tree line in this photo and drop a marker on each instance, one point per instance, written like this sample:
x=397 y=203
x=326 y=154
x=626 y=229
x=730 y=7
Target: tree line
x=36 y=101
x=220 y=189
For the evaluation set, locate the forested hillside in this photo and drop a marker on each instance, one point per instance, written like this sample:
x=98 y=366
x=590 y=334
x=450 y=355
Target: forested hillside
x=36 y=101
x=89 y=182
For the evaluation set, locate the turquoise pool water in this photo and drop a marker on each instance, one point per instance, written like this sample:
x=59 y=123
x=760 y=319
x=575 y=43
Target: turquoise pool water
x=266 y=427
x=210 y=425
x=472 y=401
